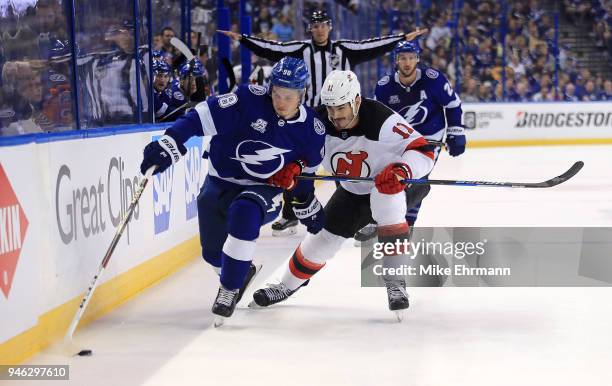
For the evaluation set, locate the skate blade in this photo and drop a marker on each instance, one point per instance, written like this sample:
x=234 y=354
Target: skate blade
x=285 y=232
x=399 y=315
x=254 y=305
x=219 y=320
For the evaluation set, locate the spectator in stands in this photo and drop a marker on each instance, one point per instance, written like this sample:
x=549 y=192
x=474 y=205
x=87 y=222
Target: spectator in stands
x=589 y=94
x=606 y=94
x=282 y=29
x=570 y=93
x=516 y=65
x=167 y=33
x=521 y=92
x=470 y=92
x=157 y=42
x=485 y=92
x=25 y=82
x=440 y=35
x=264 y=21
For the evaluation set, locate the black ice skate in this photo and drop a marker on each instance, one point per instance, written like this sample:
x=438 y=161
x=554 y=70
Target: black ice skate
x=366 y=234
x=274 y=293
x=253 y=271
x=225 y=303
x=284 y=227
x=398 y=297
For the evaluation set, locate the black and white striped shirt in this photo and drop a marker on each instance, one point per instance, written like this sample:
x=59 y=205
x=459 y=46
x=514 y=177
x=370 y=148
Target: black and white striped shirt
x=321 y=60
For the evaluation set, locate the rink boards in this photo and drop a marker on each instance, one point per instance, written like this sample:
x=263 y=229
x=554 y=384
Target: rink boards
x=60 y=204
x=61 y=200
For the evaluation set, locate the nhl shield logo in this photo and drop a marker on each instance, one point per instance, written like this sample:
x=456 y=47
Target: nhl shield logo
x=259 y=125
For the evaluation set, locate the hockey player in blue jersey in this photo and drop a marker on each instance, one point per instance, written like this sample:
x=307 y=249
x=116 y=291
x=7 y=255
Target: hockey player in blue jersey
x=261 y=140
x=425 y=98
x=161 y=88
x=183 y=93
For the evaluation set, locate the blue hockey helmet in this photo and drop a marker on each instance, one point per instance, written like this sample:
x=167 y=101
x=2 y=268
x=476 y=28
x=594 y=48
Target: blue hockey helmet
x=160 y=67
x=405 y=46
x=290 y=72
x=197 y=70
x=157 y=54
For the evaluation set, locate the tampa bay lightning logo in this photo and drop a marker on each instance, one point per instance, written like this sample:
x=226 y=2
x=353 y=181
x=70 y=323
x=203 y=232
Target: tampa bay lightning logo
x=260 y=159
x=415 y=114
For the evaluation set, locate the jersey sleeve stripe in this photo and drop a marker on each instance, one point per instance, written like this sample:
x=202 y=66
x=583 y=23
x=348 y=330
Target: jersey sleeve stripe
x=208 y=125
x=291 y=46
x=369 y=43
x=420 y=144
x=454 y=103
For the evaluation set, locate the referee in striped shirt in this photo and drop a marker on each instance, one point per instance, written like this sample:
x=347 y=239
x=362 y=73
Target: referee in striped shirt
x=322 y=56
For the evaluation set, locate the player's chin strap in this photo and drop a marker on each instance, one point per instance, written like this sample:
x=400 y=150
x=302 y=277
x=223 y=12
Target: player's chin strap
x=571 y=172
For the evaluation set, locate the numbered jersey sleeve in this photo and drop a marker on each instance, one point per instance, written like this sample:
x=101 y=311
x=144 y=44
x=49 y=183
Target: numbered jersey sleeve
x=445 y=96
x=410 y=147
x=217 y=115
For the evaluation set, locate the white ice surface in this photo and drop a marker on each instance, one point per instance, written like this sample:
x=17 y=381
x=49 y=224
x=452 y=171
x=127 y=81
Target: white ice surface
x=334 y=332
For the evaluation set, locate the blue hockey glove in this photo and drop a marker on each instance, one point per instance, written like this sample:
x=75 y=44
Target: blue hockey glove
x=161 y=153
x=310 y=213
x=455 y=140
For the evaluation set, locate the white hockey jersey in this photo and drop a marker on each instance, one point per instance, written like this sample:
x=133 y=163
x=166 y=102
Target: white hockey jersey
x=381 y=137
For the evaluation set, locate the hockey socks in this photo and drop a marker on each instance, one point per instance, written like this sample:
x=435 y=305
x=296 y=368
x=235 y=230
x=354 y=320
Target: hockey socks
x=300 y=270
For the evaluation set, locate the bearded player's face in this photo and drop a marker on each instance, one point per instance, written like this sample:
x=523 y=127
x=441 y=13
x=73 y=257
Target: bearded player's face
x=407 y=63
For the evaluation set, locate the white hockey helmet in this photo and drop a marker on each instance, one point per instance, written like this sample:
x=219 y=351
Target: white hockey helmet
x=341 y=87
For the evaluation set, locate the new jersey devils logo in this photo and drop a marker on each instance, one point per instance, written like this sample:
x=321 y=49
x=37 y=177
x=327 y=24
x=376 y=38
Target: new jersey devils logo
x=260 y=159
x=351 y=164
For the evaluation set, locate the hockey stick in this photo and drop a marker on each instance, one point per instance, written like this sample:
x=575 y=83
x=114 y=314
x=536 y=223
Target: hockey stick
x=230 y=73
x=182 y=47
x=68 y=345
x=571 y=172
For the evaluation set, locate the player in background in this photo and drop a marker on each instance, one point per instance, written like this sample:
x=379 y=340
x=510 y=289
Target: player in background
x=261 y=140
x=425 y=98
x=194 y=85
x=162 y=93
x=322 y=56
x=364 y=139
x=183 y=93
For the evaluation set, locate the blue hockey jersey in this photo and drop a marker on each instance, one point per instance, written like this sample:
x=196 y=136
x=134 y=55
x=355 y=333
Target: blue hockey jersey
x=250 y=142
x=168 y=100
x=423 y=103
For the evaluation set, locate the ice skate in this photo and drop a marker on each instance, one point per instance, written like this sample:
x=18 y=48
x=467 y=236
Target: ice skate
x=398 y=297
x=366 y=235
x=224 y=305
x=253 y=271
x=274 y=293
x=284 y=227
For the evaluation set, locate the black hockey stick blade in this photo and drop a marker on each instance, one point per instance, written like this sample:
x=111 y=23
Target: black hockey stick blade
x=571 y=172
x=546 y=184
x=230 y=73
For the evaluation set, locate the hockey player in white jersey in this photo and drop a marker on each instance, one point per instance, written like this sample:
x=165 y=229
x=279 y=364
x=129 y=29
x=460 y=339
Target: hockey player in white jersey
x=425 y=98
x=364 y=138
